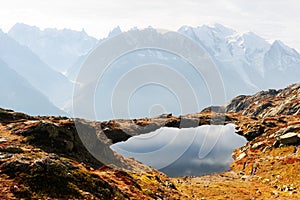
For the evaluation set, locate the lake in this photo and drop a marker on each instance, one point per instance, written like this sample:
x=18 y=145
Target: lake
x=197 y=151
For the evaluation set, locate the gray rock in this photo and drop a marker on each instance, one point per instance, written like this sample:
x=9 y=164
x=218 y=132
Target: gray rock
x=242 y=155
x=245 y=177
x=13 y=149
x=289 y=138
x=276 y=144
x=266 y=148
x=3 y=140
x=289 y=129
x=257 y=145
x=279 y=133
x=292 y=128
x=5 y=156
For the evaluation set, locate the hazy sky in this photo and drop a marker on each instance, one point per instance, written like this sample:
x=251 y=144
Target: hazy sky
x=272 y=19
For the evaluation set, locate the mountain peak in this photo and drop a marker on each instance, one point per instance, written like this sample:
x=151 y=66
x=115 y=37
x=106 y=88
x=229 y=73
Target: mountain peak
x=253 y=40
x=83 y=31
x=116 y=31
x=185 y=29
x=59 y=48
x=23 y=27
x=281 y=57
x=219 y=28
x=279 y=46
x=250 y=34
x=215 y=27
x=278 y=42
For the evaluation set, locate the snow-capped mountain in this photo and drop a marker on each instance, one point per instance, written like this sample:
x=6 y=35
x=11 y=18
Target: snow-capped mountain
x=74 y=69
x=57 y=48
x=18 y=94
x=248 y=56
x=21 y=59
x=282 y=65
x=117 y=30
x=281 y=57
x=246 y=62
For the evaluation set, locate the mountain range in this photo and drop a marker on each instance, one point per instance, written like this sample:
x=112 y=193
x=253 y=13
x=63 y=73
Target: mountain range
x=59 y=49
x=17 y=93
x=50 y=59
x=247 y=56
x=54 y=85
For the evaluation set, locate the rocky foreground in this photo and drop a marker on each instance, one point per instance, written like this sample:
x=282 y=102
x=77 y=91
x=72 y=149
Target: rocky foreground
x=44 y=158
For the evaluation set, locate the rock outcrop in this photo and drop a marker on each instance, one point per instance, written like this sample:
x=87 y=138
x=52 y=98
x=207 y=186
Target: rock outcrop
x=268 y=103
x=289 y=139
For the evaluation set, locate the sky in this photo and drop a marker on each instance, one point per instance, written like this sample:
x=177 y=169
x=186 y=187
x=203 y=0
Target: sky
x=268 y=18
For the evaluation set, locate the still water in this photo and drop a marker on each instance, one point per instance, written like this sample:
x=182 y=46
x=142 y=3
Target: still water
x=184 y=152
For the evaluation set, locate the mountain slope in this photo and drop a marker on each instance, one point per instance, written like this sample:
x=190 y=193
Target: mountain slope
x=44 y=158
x=268 y=103
x=57 y=48
x=20 y=58
x=16 y=93
x=282 y=65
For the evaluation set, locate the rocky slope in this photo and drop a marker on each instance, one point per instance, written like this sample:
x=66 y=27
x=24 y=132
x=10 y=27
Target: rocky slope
x=43 y=157
x=268 y=103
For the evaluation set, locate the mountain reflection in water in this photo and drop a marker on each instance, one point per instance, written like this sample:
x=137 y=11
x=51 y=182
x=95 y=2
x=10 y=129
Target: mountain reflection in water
x=184 y=152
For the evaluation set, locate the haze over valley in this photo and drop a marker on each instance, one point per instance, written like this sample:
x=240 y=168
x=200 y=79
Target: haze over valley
x=48 y=61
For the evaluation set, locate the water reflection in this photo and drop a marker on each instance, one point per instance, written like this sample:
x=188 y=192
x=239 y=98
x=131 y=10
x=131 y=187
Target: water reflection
x=180 y=152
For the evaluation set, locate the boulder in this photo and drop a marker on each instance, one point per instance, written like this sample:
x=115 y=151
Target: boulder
x=292 y=128
x=257 y=145
x=289 y=138
x=3 y=140
x=242 y=155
